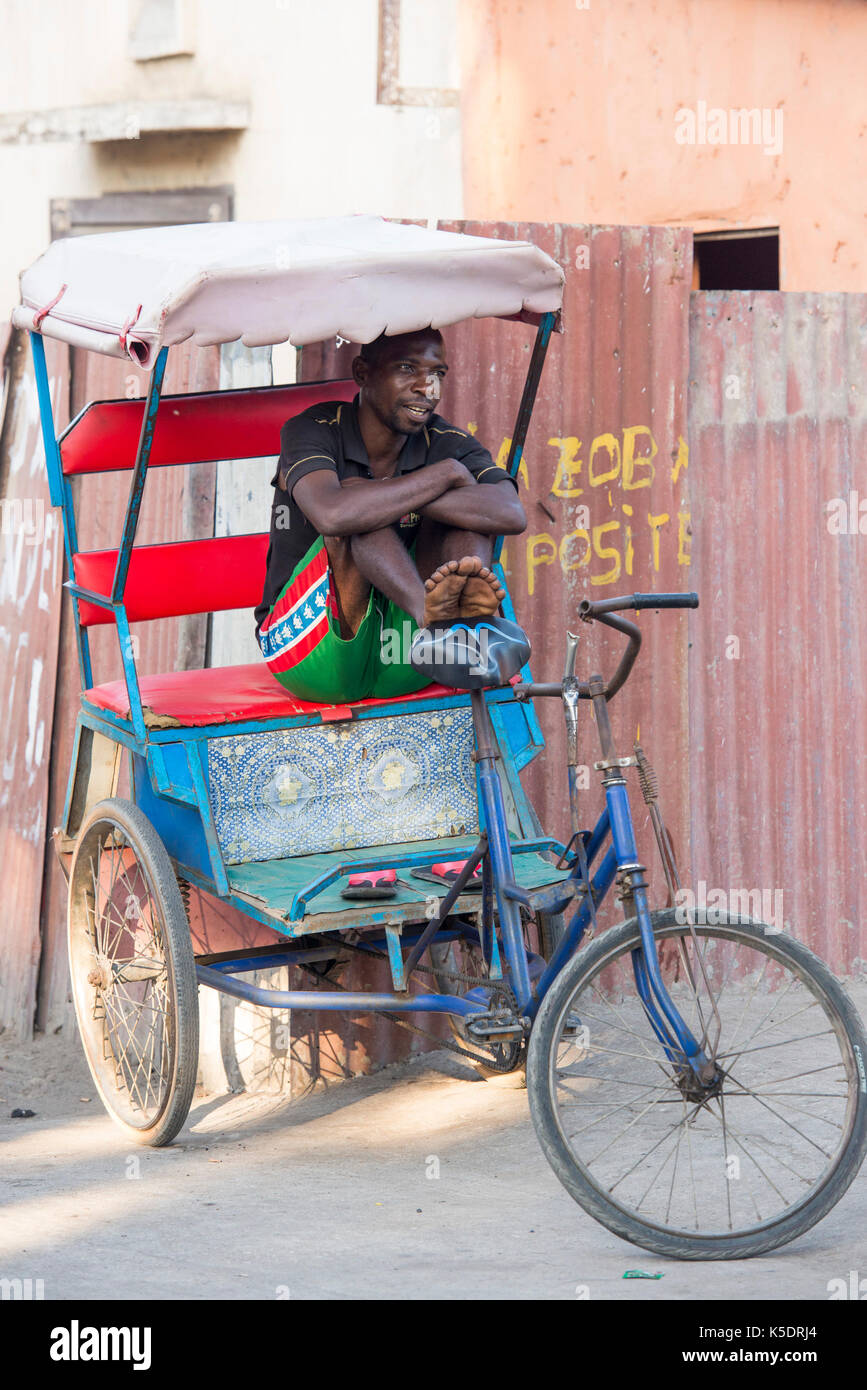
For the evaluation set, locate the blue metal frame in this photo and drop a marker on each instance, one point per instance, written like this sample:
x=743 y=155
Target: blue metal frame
x=176 y=784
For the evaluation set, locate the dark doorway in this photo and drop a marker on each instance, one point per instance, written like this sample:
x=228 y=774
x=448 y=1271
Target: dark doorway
x=737 y=260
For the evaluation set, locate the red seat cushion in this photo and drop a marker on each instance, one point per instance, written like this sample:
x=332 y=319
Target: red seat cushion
x=225 y=694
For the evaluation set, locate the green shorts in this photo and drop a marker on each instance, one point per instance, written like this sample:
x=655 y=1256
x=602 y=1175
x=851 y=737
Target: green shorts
x=301 y=643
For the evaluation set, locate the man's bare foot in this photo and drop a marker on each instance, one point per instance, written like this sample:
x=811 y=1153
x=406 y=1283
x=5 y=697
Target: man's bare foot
x=482 y=596
x=444 y=590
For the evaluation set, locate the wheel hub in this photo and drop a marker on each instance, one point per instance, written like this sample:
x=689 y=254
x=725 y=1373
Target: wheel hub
x=696 y=1091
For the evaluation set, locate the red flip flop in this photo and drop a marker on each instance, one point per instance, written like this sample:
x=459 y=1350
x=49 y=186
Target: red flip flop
x=447 y=873
x=379 y=883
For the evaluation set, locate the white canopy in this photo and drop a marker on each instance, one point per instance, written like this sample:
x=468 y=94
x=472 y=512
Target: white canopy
x=131 y=293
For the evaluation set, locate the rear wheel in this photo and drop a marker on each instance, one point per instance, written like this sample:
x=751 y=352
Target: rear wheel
x=723 y=1173
x=133 y=973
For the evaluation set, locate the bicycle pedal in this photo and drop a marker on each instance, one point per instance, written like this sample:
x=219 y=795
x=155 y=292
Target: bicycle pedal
x=487 y=1026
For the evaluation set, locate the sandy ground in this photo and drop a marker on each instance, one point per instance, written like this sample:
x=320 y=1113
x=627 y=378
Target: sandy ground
x=419 y=1181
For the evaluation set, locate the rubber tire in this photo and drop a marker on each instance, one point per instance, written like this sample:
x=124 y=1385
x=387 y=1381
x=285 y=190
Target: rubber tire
x=183 y=986
x=590 y=1197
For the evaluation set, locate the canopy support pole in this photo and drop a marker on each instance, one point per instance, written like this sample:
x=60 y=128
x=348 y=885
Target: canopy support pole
x=60 y=495
x=136 y=489
x=124 y=554
x=528 y=400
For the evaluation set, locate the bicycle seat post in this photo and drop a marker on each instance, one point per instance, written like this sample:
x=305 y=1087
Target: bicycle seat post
x=485 y=743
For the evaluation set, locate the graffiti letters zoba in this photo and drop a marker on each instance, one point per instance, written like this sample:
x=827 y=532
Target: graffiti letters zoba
x=612 y=519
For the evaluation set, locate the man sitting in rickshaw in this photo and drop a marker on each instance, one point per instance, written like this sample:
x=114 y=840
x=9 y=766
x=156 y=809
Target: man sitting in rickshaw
x=383 y=522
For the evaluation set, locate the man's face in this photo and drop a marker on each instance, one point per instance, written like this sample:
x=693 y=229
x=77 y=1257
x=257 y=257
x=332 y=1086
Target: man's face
x=403 y=387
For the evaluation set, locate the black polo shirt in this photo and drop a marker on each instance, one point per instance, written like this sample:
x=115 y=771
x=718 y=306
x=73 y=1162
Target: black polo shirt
x=328 y=436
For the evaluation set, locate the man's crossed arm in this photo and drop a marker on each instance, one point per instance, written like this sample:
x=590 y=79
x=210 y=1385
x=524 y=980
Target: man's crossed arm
x=445 y=491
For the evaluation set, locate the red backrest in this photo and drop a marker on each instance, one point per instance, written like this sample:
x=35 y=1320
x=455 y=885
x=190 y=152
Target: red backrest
x=199 y=428
x=182 y=577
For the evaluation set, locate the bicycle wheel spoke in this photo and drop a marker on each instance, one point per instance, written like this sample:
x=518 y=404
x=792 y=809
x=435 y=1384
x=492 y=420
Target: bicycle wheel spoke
x=722 y=1109
x=816 y=1095
x=798 y=1109
x=615 y=1081
x=645 y=1156
x=653 y=1181
x=674 y=1169
x=748 y=1001
x=812 y=1071
x=771 y=1154
x=618 y=1027
x=793 y=1127
x=600 y=1119
x=617 y=1011
x=135 y=1024
x=691 y=1167
x=786 y=1042
x=760 y=1027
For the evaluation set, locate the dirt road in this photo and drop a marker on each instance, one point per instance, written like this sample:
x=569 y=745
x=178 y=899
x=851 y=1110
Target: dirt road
x=420 y=1181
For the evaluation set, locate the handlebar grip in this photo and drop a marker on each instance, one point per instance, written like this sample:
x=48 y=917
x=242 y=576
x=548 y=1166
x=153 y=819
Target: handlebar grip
x=664 y=601
x=590 y=608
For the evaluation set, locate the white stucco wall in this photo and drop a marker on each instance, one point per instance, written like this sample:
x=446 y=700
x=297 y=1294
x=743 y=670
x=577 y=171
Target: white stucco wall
x=317 y=143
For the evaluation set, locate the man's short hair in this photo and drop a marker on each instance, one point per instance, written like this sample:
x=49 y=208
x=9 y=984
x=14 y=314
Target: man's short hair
x=373 y=352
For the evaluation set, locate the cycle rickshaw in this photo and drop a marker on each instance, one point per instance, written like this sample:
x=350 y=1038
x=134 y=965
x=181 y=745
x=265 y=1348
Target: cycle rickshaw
x=697 y=1085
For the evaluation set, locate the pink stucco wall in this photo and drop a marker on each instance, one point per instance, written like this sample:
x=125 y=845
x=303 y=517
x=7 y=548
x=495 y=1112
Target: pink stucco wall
x=570 y=115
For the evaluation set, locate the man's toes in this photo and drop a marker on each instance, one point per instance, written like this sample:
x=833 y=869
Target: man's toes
x=470 y=565
x=442 y=572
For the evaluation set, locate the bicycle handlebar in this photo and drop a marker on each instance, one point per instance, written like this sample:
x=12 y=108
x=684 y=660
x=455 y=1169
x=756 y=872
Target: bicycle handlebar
x=589 y=609
x=603 y=610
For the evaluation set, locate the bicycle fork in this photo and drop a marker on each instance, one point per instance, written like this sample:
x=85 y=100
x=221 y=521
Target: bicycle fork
x=665 y=1019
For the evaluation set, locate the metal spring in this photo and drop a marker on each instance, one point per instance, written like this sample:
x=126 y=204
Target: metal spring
x=646 y=776
x=184 y=885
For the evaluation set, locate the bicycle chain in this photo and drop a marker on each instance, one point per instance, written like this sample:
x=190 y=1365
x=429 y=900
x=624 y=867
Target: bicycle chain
x=461 y=977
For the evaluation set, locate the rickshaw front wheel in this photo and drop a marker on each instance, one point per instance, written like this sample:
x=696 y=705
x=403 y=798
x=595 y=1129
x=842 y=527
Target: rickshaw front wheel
x=133 y=973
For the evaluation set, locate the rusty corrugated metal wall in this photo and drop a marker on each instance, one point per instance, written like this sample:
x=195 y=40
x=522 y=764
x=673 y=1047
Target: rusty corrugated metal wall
x=31 y=568
x=778 y=671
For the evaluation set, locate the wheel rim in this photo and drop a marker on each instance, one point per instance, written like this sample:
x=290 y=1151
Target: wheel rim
x=749 y=1156
x=122 y=976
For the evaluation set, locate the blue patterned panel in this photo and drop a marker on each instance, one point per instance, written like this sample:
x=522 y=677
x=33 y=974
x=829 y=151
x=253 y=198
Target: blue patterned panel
x=370 y=782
